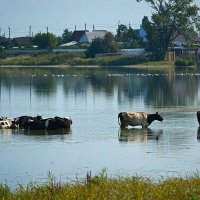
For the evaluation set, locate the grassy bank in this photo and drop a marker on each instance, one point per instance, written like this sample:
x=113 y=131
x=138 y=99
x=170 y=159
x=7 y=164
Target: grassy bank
x=78 y=59
x=102 y=187
x=70 y=59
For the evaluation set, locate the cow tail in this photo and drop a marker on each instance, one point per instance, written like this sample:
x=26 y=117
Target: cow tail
x=119 y=117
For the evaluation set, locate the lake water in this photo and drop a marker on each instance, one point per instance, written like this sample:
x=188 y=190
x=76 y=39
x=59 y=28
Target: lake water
x=93 y=98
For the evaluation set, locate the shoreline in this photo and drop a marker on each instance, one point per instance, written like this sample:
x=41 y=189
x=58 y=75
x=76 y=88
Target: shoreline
x=151 y=66
x=139 y=66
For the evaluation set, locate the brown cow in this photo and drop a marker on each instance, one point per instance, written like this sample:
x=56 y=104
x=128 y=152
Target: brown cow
x=137 y=118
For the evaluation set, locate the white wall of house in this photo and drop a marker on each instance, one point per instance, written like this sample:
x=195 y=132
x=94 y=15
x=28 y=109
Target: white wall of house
x=132 y=52
x=84 y=39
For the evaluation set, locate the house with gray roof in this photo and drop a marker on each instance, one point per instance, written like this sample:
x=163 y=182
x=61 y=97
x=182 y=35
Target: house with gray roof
x=86 y=37
x=77 y=35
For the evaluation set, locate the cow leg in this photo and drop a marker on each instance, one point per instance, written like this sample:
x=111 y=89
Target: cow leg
x=144 y=126
x=123 y=124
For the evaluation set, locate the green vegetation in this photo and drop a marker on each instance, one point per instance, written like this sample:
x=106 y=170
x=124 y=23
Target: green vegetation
x=45 y=40
x=41 y=59
x=103 y=187
x=4 y=42
x=71 y=59
x=66 y=36
x=184 y=62
x=78 y=59
x=157 y=35
x=169 y=19
x=128 y=36
x=98 y=46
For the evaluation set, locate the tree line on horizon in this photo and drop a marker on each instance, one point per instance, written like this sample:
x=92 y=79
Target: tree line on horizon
x=169 y=19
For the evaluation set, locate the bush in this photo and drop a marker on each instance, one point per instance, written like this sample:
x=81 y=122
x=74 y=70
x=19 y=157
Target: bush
x=184 y=62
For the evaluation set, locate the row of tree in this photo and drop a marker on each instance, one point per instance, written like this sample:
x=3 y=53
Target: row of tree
x=169 y=19
x=42 y=40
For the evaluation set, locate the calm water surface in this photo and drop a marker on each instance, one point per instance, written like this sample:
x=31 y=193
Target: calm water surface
x=93 y=98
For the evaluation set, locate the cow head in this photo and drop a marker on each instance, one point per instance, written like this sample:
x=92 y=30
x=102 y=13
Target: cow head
x=153 y=117
x=158 y=117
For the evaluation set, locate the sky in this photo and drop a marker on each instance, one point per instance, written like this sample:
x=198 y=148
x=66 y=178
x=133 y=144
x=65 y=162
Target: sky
x=56 y=15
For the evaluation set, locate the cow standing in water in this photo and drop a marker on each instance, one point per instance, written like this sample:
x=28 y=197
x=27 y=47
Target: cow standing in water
x=58 y=123
x=137 y=118
x=7 y=123
x=198 y=117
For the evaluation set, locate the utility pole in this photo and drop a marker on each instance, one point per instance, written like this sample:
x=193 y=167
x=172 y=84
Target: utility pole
x=8 y=32
x=85 y=26
x=47 y=29
x=30 y=31
x=118 y=23
x=0 y=31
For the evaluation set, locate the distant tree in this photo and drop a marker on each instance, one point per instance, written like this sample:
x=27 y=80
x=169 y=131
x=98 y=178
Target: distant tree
x=152 y=42
x=66 y=36
x=133 y=38
x=190 y=37
x=59 y=40
x=169 y=19
x=45 y=40
x=121 y=31
x=128 y=35
x=109 y=38
x=95 y=47
x=5 y=42
x=99 y=45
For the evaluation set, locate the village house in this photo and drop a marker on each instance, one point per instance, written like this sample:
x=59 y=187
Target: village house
x=22 y=41
x=180 y=46
x=86 y=37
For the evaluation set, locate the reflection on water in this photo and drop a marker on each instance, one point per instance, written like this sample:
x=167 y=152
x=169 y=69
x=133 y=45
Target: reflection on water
x=177 y=89
x=44 y=132
x=93 y=97
x=27 y=135
x=139 y=135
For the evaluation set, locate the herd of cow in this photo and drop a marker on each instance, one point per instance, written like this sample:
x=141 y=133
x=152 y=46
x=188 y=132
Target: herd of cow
x=125 y=119
x=36 y=123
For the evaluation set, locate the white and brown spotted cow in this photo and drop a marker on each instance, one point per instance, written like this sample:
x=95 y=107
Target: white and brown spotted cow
x=7 y=123
x=137 y=118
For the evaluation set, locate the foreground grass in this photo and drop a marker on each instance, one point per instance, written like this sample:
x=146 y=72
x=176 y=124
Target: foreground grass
x=102 y=187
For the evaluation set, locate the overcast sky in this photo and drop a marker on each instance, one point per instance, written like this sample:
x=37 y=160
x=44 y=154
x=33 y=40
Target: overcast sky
x=58 y=15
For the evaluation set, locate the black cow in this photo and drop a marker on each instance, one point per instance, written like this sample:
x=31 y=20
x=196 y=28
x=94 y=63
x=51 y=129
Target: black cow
x=58 y=123
x=25 y=121
x=36 y=124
